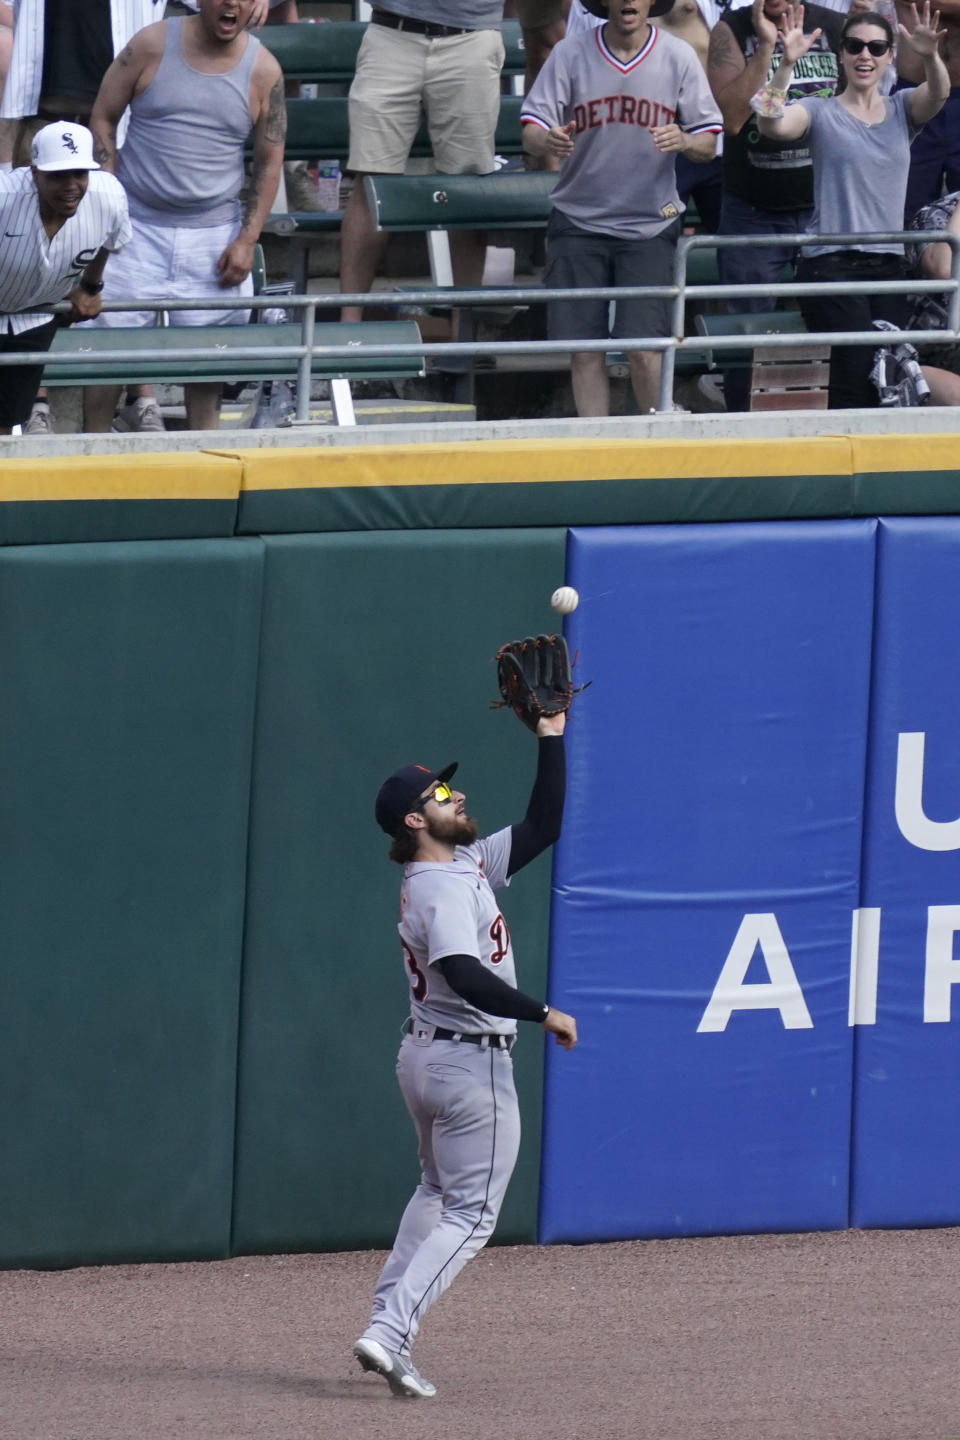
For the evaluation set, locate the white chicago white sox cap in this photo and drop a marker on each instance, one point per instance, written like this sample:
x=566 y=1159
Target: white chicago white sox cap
x=63 y=147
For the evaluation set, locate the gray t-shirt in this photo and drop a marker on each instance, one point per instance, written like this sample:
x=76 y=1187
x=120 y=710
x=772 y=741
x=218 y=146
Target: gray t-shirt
x=859 y=171
x=617 y=182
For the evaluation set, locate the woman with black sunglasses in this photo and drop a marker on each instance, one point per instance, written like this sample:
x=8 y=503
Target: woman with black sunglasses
x=860 y=146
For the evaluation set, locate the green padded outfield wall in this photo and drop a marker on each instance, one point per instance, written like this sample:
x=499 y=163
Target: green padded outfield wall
x=363 y=668
x=197 y=1035
x=126 y=721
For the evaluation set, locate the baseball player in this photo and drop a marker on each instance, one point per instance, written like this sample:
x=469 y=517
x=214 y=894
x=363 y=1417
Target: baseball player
x=454 y=1066
x=60 y=219
x=617 y=105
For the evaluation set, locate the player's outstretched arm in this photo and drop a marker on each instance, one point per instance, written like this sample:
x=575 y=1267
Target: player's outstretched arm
x=540 y=827
x=564 y=1027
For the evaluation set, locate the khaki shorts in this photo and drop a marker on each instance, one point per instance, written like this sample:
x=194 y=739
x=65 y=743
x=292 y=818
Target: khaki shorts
x=456 y=81
x=537 y=14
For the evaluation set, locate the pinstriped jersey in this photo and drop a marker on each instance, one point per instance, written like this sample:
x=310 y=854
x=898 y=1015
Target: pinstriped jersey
x=21 y=94
x=449 y=908
x=35 y=270
x=616 y=181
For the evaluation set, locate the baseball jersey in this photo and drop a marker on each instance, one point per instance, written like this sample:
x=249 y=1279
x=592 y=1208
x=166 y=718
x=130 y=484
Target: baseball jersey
x=617 y=182
x=21 y=93
x=449 y=908
x=37 y=271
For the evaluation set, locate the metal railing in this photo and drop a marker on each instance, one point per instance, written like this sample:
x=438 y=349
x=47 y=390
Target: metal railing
x=311 y=357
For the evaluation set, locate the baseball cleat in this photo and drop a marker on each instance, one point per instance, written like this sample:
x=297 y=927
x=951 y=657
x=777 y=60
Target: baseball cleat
x=399 y=1371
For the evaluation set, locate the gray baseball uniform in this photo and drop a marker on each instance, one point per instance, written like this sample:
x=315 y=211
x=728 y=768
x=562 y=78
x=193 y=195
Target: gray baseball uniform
x=617 y=182
x=460 y=1095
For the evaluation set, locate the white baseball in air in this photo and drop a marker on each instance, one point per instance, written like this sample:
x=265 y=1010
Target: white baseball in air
x=564 y=600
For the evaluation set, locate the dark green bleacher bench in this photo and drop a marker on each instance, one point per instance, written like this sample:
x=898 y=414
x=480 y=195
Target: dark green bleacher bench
x=780 y=379
x=326 y=53
x=506 y=200
x=320 y=130
x=510 y=200
x=153 y=364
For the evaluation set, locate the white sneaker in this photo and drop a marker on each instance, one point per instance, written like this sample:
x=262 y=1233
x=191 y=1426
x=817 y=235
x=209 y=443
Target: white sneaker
x=401 y=1375
x=39 y=422
x=142 y=415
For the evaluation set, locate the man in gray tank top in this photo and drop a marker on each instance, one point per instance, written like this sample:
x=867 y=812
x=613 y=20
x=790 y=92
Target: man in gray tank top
x=196 y=87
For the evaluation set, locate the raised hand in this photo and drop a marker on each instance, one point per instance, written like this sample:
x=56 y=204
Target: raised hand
x=795 y=42
x=763 y=27
x=923 y=35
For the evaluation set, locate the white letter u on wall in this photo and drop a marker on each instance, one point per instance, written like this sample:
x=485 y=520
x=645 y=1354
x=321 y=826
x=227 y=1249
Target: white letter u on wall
x=908 y=802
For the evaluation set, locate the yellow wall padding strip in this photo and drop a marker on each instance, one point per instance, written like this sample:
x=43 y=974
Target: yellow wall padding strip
x=503 y=462
x=180 y=475
x=907 y=453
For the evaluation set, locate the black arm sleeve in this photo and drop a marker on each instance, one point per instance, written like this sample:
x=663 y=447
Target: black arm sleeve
x=479 y=987
x=540 y=827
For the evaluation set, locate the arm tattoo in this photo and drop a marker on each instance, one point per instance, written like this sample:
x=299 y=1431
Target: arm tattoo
x=722 y=49
x=275 y=127
x=105 y=146
x=251 y=199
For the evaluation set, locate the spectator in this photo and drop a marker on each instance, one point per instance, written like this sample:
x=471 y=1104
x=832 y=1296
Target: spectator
x=935 y=156
x=690 y=20
x=61 y=219
x=932 y=260
x=616 y=106
x=62 y=50
x=543 y=23
x=444 y=56
x=300 y=186
x=767 y=183
x=693 y=21
x=195 y=88
x=6 y=49
x=265 y=12
x=860 y=144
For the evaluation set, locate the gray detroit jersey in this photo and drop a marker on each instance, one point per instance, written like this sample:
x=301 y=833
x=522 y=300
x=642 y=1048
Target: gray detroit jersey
x=616 y=181
x=449 y=908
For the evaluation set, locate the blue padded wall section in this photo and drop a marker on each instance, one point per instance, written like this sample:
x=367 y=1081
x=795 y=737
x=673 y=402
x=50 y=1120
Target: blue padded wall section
x=706 y=878
x=907 y=1117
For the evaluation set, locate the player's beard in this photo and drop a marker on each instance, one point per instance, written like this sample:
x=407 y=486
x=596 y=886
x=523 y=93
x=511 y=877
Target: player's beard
x=458 y=830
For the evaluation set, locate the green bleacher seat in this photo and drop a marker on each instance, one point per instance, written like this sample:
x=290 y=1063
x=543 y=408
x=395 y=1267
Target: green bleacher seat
x=153 y=364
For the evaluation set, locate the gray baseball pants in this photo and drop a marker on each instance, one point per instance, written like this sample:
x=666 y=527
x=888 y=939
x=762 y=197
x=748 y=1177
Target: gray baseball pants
x=464 y=1105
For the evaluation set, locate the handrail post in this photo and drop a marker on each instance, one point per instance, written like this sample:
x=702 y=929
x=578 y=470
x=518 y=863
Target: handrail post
x=953 y=307
x=305 y=363
x=668 y=357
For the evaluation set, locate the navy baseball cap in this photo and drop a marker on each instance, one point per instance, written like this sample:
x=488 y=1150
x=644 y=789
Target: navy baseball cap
x=396 y=795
